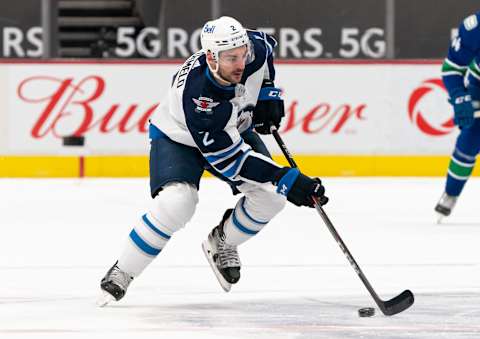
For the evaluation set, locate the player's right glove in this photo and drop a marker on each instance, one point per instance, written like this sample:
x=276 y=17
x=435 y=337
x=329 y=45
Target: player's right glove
x=298 y=188
x=463 y=108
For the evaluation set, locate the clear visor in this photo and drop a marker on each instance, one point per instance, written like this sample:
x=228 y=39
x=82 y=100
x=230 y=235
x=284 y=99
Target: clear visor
x=228 y=57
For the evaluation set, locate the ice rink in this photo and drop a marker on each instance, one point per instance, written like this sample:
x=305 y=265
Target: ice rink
x=60 y=236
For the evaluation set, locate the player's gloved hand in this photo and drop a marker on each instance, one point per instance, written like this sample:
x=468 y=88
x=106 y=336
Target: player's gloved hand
x=299 y=188
x=269 y=109
x=463 y=108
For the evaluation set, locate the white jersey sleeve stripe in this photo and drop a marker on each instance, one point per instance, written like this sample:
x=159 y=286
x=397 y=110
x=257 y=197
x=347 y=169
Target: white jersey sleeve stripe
x=224 y=154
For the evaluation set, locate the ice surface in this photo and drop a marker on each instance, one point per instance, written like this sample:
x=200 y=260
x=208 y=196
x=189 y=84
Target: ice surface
x=58 y=238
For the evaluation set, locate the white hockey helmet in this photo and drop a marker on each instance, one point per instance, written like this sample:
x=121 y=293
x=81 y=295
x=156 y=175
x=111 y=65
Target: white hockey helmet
x=223 y=34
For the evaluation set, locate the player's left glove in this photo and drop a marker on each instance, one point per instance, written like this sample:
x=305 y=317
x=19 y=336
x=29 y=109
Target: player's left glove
x=269 y=109
x=299 y=188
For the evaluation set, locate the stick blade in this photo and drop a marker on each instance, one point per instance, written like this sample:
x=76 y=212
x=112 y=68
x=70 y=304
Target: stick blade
x=399 y=303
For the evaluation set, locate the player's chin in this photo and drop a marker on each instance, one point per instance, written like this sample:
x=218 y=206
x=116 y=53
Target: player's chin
x=236 y=77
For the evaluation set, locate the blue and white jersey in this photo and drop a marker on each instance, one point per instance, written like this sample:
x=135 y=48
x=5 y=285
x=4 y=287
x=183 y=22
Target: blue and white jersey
x=462 y=65
x=201 y=113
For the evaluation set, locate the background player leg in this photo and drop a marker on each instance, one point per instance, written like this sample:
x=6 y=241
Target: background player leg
x=460 y=168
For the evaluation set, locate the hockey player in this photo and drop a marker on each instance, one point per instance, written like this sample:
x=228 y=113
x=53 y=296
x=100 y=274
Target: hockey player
x=215 y=100
x=461 y=76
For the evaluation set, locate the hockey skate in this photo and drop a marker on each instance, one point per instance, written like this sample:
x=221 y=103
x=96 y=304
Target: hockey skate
x=445 y=206
x=113 y=285
x=222 y=257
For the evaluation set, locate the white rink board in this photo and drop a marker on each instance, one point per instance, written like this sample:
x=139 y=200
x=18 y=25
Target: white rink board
x=81 y=97
x=383 y=126
x=331 y=108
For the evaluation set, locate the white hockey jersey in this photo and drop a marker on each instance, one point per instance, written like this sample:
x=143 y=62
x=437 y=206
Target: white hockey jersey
x=201 y=113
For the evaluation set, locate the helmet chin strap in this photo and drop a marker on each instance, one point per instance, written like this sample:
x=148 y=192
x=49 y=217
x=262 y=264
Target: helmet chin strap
x=217 y=76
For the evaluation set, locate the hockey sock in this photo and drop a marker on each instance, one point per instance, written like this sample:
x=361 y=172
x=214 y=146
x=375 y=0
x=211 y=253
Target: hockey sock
x=459 y=170
x=145 y=242
x=242 y=224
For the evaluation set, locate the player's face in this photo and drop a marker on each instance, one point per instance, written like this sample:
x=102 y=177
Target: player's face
x=232 y=64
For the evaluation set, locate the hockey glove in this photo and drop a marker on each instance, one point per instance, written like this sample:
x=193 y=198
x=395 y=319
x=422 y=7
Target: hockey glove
x=298 y=188
x=463 y=108
x=269 y=109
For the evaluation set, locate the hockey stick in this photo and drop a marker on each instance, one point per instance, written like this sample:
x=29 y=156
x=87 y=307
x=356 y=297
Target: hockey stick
x=390 y=307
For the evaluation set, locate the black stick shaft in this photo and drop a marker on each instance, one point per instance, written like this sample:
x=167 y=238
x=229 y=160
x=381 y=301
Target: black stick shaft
x=283 y=147
x=329 y=224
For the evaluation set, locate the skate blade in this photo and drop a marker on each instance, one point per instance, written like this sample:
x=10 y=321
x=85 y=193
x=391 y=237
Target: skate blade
x=104 y=299
x=207 y=250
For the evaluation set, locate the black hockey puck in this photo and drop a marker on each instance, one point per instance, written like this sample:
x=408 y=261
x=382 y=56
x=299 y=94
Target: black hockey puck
x=366 y=312
x=74 y=140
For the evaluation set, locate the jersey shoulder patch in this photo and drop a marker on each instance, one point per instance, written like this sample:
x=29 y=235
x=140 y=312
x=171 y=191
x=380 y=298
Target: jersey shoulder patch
x=204 y=104
x=470 y=22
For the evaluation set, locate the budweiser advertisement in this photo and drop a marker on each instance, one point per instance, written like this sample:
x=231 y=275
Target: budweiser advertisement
x=331 y=108
x=109 y=104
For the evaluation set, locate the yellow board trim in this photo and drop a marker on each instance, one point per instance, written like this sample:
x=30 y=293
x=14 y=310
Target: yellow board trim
x=116 y=166
x=137 y=166
x=38 y=167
